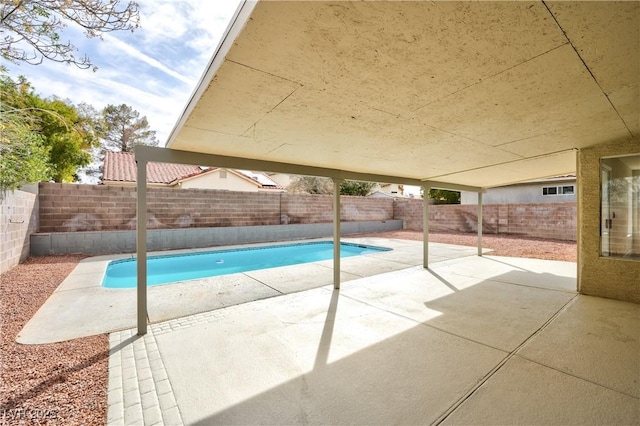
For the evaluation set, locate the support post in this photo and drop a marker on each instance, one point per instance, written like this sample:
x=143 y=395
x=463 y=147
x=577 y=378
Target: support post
x=336 y=233
x=479 y=223
x=141 y=245
x=425 y=226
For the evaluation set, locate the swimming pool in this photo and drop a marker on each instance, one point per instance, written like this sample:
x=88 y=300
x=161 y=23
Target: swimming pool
x=166 y=269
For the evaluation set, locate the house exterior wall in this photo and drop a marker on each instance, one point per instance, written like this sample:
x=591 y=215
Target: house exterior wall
x=281 y=179
x=214 y=180
x=521 y=193
x=18 y=220
x=610 y=277
x=392 y=189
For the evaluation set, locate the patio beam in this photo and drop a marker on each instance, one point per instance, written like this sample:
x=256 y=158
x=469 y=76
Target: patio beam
x=141 y=245
x=425 y=226
x=336 y=233
x=479 y=223
x=167 y=155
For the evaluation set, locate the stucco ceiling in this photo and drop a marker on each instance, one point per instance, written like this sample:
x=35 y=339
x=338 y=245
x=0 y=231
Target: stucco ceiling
x=481 y=94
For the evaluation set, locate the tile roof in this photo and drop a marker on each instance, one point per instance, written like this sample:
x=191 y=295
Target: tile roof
x=121 y=167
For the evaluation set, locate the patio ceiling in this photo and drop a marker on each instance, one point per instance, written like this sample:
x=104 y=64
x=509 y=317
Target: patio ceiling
x=479 y=94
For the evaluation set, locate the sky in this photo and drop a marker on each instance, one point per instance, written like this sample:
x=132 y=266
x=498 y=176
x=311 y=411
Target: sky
x=155 y=69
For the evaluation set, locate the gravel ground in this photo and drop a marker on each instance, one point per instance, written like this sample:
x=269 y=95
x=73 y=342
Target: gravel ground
x=66 y=383
x=61 y=383
x=502 y=245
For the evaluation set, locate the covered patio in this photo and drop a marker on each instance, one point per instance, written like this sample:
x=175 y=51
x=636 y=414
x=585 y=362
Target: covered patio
x=474 y=340
x=451 y=95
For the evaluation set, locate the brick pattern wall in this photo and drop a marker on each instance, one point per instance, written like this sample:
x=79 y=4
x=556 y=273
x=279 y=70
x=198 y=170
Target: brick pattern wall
x=300 y=208
x=18 y=220
x=541 y=220
x=69 y=208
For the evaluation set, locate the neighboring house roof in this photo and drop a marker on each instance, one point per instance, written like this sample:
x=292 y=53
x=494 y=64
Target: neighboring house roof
x=380 y=194
x=120 y=167
x=569 y=177
x=264 y=180
x=553 y=179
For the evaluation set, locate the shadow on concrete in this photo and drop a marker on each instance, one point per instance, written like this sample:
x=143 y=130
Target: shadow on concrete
x=414 y=376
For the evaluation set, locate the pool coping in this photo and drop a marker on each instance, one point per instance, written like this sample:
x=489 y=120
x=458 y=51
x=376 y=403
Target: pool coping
x=82 y=307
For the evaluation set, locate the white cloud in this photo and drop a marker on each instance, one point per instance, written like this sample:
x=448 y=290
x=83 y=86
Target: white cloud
x=154 y=70
x=135 y=53
x=161 y=19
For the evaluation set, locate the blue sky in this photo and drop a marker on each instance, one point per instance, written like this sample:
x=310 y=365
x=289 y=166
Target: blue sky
x=154 y=69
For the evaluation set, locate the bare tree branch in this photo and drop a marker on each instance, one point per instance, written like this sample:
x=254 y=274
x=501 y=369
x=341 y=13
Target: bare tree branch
x=30 y=29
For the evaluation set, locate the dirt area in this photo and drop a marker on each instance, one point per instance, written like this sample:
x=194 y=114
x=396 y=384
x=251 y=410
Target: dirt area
x=66 y=383
x=502 y=245
x=62 y=383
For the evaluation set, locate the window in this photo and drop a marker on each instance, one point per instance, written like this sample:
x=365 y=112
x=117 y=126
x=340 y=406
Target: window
x=558 y=190
x=223 y=174
x=567 y=190
x=620 y=207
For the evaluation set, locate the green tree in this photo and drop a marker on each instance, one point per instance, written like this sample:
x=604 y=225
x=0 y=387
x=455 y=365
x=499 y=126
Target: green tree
x=61 y=130
x=123 y=129
x=23 y=156
x=353 y=187
x=31 y=29
x=442 y=196
x=64 y=133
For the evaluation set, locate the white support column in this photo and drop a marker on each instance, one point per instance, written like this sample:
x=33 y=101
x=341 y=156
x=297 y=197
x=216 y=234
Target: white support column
x=479 y=223
x=336 y=233
x=425 y=226
x=141 y=245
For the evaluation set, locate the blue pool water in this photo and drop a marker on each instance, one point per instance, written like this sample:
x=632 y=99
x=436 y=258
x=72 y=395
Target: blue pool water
x=181 y=267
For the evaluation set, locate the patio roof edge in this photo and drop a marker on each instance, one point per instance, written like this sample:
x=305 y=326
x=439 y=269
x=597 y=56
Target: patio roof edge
x=168 y=155
x=238 y=21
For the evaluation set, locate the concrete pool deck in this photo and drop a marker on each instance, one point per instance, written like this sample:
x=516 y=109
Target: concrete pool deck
x=81 y=307
x=472 y=340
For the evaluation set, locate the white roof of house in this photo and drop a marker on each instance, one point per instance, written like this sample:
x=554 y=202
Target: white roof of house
x=261 y=178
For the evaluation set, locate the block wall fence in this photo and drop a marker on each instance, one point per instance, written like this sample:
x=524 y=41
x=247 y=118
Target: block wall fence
x=18 y=220
x=73 y=208
x=537 y=220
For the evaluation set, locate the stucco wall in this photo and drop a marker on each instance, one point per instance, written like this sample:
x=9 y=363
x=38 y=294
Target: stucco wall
x=213 y=180
x=522 y=193
x=611 y=277
x=18 y=220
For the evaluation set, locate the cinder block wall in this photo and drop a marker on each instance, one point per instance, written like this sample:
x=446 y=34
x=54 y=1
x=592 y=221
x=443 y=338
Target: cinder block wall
x=557 y=221
x=70 y=208
x=610 y=277
x=18 y=220
x=539 y=220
